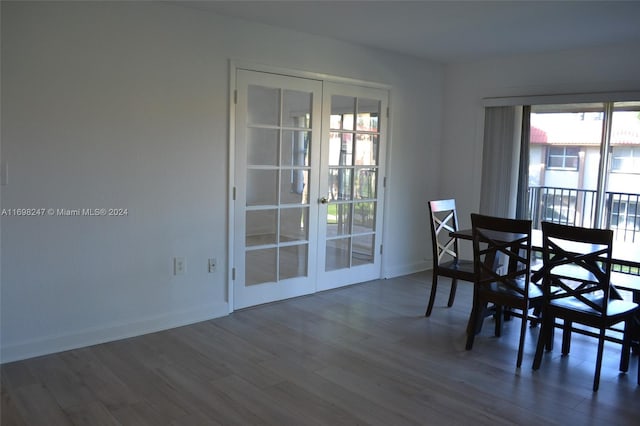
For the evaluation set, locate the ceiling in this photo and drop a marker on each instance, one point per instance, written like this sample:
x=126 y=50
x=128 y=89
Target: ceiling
x=450 y=31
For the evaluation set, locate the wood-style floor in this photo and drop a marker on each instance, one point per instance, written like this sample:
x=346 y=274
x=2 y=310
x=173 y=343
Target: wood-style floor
x=364 y=354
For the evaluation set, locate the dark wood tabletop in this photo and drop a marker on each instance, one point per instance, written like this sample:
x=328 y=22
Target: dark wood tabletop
x=623 y=253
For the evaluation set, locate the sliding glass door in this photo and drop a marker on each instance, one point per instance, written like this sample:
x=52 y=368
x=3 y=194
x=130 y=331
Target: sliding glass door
x=584 y=166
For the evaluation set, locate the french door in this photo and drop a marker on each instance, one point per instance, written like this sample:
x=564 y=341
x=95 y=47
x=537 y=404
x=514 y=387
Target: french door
x=308 y=199
x=351 y=185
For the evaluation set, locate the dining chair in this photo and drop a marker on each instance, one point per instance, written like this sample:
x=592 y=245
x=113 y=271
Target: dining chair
x=577 y=288
x=502 y=271
x=446 y=257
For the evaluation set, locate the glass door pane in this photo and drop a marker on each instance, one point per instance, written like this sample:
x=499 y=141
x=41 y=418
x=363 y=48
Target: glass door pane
x=622 y=198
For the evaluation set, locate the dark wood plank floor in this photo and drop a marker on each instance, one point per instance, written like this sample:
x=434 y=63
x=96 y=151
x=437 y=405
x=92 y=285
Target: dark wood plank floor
x=357 y=355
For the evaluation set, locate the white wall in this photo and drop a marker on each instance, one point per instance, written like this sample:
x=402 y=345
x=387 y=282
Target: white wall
x=466 y=84
x=125 y=105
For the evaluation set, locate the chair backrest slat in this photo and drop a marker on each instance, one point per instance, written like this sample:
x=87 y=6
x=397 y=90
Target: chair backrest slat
x=444 y=219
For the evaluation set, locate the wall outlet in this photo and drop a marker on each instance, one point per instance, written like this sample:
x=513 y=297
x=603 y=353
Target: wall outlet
x=179 y=266
x=212 y=264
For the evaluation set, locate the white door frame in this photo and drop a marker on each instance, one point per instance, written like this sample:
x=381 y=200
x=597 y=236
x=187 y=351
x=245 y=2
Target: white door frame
x=234 y=65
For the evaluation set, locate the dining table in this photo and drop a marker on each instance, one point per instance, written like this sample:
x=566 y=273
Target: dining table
x=624 y=254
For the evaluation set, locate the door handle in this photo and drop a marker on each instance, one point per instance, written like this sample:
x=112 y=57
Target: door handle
x=324 y=200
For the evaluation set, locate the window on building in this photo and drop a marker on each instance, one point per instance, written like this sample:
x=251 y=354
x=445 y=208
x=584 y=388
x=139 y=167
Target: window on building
x=625 y=159
x=624 y=214
x=563 y=157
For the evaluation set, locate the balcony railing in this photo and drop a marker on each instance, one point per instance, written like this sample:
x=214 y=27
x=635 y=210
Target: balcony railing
x=577 y=207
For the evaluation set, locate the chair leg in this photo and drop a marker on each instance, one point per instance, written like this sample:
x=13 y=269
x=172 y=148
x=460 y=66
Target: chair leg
x=506 y=314
x=639 y=370
x=543 y=338
x=498 y=317
x=476 y=311
x=432 y=297
x=596 y=377
x=566 y=337
x=551 y=334
x=626 y=347
x=537 y=311
x=452 y=293
x=523 y=331
x=481 y=315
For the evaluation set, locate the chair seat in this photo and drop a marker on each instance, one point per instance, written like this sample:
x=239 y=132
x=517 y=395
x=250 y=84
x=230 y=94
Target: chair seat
x=615 y=308
x=534 y=291
x=458 y=265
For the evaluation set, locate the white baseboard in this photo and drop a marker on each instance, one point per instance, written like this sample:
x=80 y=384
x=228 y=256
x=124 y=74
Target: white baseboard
x=111 y=332
x=399 y=270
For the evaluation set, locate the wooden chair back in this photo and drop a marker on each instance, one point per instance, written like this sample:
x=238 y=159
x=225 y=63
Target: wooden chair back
x=502 y=253
x=444 y=219
x=577 y=265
